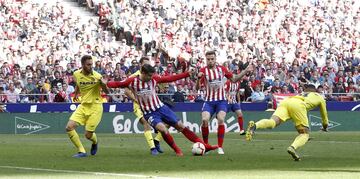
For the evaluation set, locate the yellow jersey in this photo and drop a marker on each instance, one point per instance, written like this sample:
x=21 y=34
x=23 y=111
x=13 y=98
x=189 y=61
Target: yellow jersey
x=313 y=100
x=89 y=86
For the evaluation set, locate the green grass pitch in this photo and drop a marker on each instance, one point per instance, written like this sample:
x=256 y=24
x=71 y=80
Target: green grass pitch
x=327 y=155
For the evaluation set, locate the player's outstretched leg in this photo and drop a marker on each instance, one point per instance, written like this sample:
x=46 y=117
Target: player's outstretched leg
x=170 y=141
x=168 y=138
x=194 y=138
x=262 y=124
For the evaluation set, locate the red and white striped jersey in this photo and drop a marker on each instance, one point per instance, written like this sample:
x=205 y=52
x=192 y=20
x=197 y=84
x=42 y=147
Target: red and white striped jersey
x=232 y=89
x=214 y=81
x=145 y=94
x=145 y=91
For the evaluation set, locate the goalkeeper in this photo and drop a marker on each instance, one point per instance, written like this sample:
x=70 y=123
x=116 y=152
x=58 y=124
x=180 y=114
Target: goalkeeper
x=296 y=108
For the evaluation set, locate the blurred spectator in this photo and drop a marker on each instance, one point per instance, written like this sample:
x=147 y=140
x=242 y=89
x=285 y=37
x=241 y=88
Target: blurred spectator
x=3 y=96
x=257 y=95
x=179 y=95
x=12 y=95
x=314 y=43
x=57 y=80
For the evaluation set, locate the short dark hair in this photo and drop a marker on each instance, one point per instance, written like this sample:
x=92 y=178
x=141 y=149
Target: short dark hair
x=84 y=58
x=142 y=59
x=310 y=86
x=147 y=69
x=211 y=52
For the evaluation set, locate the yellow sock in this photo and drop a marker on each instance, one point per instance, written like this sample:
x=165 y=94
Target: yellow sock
x=265 y=124
x=75 y=139
x=300 y=140
x=149 y=139
x=93 y=138
x=158 y=136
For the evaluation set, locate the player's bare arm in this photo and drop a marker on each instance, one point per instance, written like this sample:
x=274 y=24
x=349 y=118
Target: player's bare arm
x=103 y=85
x=130 y=95
x=198 y=81
x=171 y=78
x=76 y=93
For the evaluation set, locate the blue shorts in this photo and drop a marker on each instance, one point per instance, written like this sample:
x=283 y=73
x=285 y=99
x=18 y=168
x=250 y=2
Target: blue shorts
x=234 y=107
x=163 y=114
x=215 y=106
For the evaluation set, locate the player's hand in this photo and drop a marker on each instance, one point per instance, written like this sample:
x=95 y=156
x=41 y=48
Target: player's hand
x=76 y=98
x=192 y=71
x=103 y=81
x=200 y=75
x=250 y=67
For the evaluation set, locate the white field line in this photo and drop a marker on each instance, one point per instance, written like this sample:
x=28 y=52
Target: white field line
x=311 y=140
x=86 y=173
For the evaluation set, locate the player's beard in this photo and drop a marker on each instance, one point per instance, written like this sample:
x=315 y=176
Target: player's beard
x=210 y=65
x=89 y=71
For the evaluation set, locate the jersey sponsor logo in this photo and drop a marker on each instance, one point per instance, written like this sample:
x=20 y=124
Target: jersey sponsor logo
x=25 y=126
x=87 y=83
x=216 y=83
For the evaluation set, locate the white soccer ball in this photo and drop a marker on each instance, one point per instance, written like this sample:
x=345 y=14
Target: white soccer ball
x=198 y=149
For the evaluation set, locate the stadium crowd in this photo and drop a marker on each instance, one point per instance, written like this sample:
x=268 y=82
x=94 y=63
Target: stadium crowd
x=292 y=43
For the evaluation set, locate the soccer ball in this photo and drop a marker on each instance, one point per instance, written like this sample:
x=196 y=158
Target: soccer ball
x=198 y=148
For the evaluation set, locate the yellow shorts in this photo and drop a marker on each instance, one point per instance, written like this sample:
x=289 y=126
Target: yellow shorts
x=88 y=115
x=293 y=108
x=137 y=111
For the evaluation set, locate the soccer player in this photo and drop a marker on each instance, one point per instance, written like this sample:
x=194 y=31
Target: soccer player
x=154 y=144
x=213 y=77
x=296 y=108
x=89 y=112
x=233 y=99
x=155 y=112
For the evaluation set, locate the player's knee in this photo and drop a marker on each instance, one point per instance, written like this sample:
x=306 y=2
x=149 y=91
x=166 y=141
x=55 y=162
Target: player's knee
x=88 y=135
x=205 y=123
x=147 y=128
x=221 y=116
x=161 y=128
x=302 y=129
x=179 y=126
x=143 y=121
x=220 y=121
x=276 y=119
x=69 y=128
